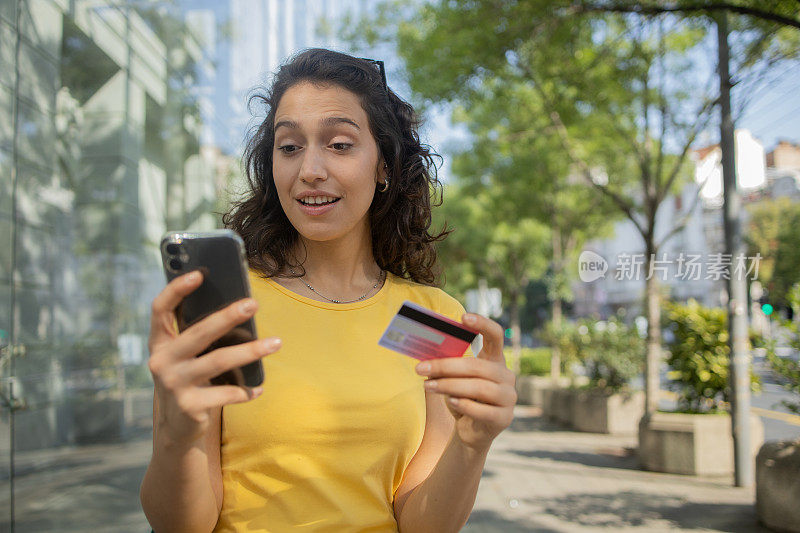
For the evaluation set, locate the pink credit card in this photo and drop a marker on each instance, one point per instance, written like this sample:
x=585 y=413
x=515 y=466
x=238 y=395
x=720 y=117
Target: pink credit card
x=422 y=334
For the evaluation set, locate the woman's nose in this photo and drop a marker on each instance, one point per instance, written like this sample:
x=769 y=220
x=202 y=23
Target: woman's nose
x=312 y=167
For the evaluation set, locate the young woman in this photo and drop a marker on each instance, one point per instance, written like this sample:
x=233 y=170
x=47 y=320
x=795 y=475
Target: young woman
x=344 y=435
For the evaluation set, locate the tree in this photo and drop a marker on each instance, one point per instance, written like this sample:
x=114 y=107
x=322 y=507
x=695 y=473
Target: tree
x=512 y=152
x=620 y=91
x=766 y=221
x=607 y=88
x=489 y=242
x=787 y=256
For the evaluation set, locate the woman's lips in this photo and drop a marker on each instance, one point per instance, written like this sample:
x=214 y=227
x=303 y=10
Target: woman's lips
x=315 y=210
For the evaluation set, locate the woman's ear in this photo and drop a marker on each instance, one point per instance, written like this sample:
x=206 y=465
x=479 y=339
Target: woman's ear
x=383 y=171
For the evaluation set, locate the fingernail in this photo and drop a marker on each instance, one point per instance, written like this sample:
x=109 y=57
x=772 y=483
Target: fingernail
x=270 y=344
x=453 y=401
x=431 y=384
x=470 y=319
x=257 y=391
x=424 y=369
x=247 y=306
x=192 y=277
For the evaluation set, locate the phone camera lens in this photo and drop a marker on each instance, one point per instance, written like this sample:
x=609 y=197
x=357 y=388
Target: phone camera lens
x=175 y=264
x=173 y=249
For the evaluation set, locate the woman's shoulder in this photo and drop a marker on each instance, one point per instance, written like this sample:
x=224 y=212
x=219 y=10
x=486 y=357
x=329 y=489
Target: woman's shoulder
x=430 y=297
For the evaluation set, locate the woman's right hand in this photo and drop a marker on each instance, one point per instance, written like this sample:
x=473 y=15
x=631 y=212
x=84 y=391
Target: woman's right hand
x=182 y=380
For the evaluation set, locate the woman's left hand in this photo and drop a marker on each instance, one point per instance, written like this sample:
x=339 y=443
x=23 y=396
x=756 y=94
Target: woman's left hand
x=479 y=391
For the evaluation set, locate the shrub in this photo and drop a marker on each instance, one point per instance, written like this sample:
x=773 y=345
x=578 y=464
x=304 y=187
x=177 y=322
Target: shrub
x=787 y=369
x=532 y=361
x=611 y=351
x=699 y=356
x=565 y=338
x=756 y=339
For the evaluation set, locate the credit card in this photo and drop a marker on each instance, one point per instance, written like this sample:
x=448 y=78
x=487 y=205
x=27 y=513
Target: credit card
x=422 y=334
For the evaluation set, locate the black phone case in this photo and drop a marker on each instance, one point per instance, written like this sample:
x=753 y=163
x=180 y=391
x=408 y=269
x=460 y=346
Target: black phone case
x=220 y=256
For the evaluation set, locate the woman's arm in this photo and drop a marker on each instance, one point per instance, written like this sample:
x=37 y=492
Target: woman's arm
x=182 y=488
x=439 y=486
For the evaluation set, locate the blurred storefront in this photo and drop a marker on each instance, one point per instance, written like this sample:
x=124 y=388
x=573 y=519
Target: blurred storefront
x=99 y=156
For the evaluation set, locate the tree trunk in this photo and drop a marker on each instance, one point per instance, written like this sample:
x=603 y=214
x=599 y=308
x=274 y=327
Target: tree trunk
x=555 y=354
x=555 y=357
x=737 y=291
x=653 y=357
x=516 y=331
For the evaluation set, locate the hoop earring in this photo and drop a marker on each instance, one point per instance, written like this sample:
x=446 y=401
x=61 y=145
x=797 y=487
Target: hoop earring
x=386 y=182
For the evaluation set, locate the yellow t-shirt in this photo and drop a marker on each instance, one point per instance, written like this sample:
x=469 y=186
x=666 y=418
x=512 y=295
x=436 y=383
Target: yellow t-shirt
x=324 y=448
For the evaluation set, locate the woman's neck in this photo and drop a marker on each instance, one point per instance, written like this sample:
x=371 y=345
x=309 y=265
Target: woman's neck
x=342 y=269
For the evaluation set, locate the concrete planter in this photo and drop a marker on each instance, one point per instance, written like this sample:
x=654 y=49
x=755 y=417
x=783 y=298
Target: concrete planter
x=778 y=485
x=530 y=389
x=596 y=411
x=558 y=405
x=694 y=444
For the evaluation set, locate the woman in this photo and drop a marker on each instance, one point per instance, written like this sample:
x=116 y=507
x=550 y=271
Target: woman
x=344 y=435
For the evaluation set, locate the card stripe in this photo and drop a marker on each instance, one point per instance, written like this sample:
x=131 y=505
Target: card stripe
x=435 y=323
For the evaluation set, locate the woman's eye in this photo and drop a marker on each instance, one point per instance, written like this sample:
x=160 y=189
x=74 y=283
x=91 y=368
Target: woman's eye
x=341 y=147
x=287 y=148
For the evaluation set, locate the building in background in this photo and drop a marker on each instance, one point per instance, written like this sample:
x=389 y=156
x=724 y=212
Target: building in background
x=700 y=205
x=100 y=153
x=783 y=171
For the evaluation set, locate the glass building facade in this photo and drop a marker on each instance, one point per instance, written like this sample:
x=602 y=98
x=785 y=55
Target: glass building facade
x=99 y=156
x=119 y=120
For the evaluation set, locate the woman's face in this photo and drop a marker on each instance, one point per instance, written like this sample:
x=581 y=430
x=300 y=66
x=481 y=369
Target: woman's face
x=324 y=162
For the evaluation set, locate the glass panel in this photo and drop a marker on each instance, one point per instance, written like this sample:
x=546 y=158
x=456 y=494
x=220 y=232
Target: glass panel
x=6 y=120
x=85 y=67
x=8 y=12
x=36 y=137
x=41 y=24
x=5 y=181
x=35 y=266
x=95 y=161
x=8 y=41
x=34 y=313
x=5 y=251
x=38 y=78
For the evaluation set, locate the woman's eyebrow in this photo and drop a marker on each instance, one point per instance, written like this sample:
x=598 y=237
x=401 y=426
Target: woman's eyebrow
x=326 y=122
x=334 y=121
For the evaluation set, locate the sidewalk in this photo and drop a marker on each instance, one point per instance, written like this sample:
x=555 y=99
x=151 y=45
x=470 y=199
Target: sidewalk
x=538 y=478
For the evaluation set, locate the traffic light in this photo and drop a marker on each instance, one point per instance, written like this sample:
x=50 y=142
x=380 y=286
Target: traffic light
x=766 y=307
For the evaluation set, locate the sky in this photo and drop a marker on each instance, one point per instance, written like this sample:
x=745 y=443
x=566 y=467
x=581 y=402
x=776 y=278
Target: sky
x=771 y=115
x=774 y=111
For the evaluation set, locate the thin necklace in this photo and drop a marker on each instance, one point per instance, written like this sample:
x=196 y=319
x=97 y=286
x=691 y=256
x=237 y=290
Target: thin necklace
x=380 y=278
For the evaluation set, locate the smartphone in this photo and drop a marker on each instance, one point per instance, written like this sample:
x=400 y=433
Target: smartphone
x=220 y=256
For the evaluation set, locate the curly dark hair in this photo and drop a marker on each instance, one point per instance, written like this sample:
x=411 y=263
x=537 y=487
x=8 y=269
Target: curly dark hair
x=400 y=218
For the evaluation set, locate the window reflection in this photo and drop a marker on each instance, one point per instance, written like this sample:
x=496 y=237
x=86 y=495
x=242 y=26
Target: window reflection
x=100 y=153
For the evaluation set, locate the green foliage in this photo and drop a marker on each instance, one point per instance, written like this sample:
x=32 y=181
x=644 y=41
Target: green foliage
x=490 y=243
x=611 y=351
x=787 y=256
x=532 y=362
x=565 y=337
x=766 y=219
x=787 y=368
x=756 y=339
x=699 y=356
